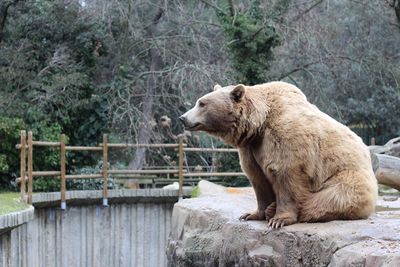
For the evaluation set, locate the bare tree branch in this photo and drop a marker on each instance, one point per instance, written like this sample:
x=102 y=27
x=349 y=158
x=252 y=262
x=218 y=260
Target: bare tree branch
x=308 y=9
x=214 y=6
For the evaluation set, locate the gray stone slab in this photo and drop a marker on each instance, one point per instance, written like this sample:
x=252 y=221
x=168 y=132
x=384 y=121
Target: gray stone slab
x=206 y=232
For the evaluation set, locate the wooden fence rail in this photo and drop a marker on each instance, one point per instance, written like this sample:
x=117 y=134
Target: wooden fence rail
x=27 y=143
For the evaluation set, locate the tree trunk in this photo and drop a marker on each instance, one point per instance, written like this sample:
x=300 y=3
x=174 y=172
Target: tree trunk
x=387 y=170
x=144 y=133
x=396 y=6
x=3 y=16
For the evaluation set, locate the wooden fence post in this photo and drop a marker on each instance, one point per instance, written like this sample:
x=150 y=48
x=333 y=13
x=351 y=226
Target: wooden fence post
x=105 y=170
x=180 y=170
x=62 y=166
x=23 y=165
x=30 y=166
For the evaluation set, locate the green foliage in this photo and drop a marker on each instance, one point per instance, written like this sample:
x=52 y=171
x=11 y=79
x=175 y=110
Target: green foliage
x=51 y=69
x=44 y=158
x=10 y=129
x=195 y=192
x=49 y=56
x=251 y=37
x=229 y=162
x=373 y=112
x=46 y=184
x=91 y=184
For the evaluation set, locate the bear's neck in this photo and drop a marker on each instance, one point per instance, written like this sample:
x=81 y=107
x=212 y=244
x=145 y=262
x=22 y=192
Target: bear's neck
x=246 y=132
x=249 y=136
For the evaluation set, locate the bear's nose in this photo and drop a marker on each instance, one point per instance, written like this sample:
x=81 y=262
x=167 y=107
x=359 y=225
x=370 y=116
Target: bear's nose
x=182 y=119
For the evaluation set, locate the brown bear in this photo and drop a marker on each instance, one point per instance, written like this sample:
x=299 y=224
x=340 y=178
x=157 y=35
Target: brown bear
x=304 y=166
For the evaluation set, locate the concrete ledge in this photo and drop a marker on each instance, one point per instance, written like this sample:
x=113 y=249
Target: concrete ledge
x=87 y=197
x=14 y=219
x=206 y=232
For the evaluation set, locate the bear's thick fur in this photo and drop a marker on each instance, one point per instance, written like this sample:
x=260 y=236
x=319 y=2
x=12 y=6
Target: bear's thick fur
x=304 y=165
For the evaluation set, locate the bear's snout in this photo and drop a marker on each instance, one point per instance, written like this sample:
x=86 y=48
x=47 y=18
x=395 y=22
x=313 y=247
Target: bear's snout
x=183 y=120
x=189 y=122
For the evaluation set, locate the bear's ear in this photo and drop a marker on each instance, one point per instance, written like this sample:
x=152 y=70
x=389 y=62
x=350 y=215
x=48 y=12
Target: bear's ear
x=217 y=87
x=238 y=92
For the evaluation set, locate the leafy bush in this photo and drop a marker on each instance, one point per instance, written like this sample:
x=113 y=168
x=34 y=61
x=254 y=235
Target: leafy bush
x=91 y=184
x=44 y=158
x=48 y=60
x=10 y=129
x=251 y=37
x=46 y=184
x=229 y=162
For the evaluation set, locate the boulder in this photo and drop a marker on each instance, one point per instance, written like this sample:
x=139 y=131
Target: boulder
x=206 y=231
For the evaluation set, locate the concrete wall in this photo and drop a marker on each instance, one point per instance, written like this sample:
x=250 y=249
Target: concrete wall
x=123 y=234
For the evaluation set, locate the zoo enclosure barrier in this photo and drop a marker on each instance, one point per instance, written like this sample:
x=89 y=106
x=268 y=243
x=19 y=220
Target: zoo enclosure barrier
x=27 y=173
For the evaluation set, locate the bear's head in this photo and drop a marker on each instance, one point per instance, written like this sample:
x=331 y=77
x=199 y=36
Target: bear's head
x=230 y=113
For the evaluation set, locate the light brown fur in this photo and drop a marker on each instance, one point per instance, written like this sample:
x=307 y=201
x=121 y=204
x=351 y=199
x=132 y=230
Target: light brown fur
x=304 y=165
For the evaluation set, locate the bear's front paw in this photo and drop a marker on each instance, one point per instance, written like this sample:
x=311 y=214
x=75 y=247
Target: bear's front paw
x=280 y=221
x=257 y=216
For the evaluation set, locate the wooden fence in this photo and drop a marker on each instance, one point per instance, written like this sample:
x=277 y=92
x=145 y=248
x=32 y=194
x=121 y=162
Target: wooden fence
x=27 y=172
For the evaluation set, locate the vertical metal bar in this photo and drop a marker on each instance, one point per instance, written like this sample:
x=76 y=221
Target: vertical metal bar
x=30 y=166
x=180 y=170
x=105 y=170
x=62 y=167
x=373 y=142
x=23 y=165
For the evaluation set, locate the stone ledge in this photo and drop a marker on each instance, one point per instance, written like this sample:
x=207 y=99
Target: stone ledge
x=14 y=219
x=206 y=232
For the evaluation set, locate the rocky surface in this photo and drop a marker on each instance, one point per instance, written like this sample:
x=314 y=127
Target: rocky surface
x=206 y=232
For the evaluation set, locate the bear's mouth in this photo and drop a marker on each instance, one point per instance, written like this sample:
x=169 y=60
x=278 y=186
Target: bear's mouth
x=193 y=127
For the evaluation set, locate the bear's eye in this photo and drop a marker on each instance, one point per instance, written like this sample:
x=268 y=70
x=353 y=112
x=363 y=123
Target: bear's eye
x=201 y=104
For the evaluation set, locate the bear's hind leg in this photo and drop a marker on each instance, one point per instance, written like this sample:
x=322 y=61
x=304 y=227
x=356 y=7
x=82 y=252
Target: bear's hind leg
x=270 y=211
x=345 y=196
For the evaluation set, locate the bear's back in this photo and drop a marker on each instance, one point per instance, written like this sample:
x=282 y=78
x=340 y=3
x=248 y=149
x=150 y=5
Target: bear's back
x=301 y=124
x=280 y=89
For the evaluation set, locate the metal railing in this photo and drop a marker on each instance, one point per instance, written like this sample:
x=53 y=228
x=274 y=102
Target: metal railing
x=27 y=172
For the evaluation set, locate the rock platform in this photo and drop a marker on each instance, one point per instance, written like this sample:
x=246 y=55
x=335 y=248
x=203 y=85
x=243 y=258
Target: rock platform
x=206 y=231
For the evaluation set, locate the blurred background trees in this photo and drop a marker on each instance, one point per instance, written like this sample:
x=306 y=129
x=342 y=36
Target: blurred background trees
x=129 y=68
x=345 y=56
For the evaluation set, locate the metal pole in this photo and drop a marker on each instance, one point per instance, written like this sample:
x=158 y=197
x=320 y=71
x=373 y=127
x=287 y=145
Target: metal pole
x=30 y=167
x=180 y=170
x=105 y=170
x=373 y=141
x=62 y=167
x=23 y=165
